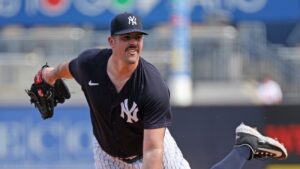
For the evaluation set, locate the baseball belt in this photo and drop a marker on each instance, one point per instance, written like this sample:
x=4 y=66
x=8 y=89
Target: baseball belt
x=131 y=159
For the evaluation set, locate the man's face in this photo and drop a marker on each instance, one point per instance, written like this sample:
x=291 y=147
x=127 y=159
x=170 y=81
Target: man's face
x=127 y=47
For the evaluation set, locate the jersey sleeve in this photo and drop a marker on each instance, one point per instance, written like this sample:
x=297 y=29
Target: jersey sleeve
x=76 y=66
x=157 y=109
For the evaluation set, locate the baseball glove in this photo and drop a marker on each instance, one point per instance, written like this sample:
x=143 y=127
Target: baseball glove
x=44 y=96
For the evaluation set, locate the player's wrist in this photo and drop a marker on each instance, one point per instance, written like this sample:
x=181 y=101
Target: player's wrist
x=49 y=75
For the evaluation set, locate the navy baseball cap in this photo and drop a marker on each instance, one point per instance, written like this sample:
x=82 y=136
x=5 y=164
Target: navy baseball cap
x=126 y=23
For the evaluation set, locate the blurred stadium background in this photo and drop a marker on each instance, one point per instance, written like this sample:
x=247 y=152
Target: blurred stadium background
x=222 y=47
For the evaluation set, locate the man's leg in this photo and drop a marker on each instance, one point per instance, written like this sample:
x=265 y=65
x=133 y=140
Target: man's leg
x=250 y=144
x=173 y=157
x=235 y=159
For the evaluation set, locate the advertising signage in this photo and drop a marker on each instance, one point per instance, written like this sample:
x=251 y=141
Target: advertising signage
x=98 y=13
x=65 y=140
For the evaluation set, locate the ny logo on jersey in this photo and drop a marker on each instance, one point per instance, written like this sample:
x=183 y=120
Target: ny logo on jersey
x=130 y=113
x=132 y=20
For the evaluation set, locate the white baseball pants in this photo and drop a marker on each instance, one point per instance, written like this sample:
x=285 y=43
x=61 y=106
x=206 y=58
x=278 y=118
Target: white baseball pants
x=173 y=158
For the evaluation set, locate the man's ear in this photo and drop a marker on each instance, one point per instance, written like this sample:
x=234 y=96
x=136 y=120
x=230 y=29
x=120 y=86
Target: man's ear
x=111 y=41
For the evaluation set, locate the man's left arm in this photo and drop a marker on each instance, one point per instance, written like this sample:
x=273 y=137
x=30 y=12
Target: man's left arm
x=153 y=148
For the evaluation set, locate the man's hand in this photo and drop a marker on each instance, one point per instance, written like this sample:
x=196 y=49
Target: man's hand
x=45 y=96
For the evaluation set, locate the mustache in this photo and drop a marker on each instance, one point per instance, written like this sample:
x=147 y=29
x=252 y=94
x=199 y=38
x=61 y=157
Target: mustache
x=132 y=47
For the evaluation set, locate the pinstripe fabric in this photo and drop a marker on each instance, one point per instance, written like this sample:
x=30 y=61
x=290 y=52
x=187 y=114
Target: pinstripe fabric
x=105 y=161
x=173 y=158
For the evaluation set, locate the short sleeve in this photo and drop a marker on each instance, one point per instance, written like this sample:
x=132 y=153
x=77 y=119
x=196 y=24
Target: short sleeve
x=76 y=65
x=75 y=71
x=157 y=109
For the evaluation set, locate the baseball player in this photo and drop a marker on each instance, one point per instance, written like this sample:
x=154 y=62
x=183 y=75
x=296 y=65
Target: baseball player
x=130 y=104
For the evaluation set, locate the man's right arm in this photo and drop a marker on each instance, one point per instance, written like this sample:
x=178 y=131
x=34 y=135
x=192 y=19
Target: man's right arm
x=51 y=74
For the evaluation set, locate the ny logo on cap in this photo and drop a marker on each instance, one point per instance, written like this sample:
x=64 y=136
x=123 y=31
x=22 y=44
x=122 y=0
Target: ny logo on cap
x=132 y=20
